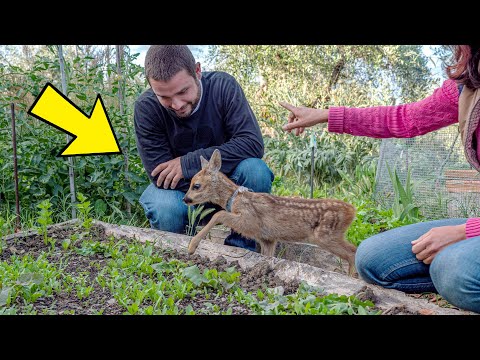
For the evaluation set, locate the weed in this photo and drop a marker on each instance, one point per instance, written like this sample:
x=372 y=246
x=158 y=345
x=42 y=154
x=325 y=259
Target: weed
x=195 y=215
x=84 y=209
x=44 y=219
x=403 y=205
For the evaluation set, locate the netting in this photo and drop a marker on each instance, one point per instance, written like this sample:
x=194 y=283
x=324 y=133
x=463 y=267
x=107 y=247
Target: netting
x=444 y=184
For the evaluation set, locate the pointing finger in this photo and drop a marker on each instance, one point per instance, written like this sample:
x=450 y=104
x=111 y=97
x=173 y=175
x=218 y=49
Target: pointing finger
x=287 y=106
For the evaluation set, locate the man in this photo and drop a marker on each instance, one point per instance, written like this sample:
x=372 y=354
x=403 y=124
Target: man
x=184 y=114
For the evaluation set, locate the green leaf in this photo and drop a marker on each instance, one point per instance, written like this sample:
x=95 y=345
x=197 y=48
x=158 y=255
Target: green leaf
x=131 y=197
x=28 y=278
x=206 y=212
x=100 y=207
x=4 y=294
x=194 y=275
x=361 y=310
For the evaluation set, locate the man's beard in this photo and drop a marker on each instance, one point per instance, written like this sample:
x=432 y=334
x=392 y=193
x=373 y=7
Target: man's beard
x=193 y=104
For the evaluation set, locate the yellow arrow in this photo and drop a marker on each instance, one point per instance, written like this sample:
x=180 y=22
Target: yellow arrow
x=92 y=135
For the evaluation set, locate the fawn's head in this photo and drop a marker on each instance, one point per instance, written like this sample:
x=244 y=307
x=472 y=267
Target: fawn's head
x=204 y=183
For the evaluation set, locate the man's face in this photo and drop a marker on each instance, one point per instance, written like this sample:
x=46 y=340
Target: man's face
x=180 y=94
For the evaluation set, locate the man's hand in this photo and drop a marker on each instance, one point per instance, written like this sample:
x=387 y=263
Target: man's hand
x=170 y=173
x=302 y=117
x=429 y=244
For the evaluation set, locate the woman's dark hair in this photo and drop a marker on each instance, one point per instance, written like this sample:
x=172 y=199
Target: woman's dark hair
x=466 y=67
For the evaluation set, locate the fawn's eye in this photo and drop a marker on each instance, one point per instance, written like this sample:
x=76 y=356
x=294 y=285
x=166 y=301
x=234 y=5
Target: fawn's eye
x=196 y=186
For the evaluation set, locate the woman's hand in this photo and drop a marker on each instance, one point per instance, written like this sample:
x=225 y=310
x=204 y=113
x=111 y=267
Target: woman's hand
x=429 y=244
x=302 y=117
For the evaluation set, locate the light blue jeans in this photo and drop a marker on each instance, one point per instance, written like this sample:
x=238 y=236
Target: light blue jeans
x=386 y=259
x=166 y=211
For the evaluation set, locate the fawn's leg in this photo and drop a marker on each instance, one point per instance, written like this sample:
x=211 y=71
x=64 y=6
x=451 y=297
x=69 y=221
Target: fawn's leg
x=345 y=250
x=221 y=217
x=340 y=247
x=268 y=248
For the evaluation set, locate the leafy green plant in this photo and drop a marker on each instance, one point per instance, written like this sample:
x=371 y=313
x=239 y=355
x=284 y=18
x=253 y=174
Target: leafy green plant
x=44 y=219
x=307 y=300
x=371 y=220
x=93 y=247
x=84 y=209
x=3 y=232
x=66 y=244
x=195 y=215
x=27 y=279
x=403 y=203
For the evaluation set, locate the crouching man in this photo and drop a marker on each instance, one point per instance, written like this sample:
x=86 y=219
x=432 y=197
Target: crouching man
x=184 y=114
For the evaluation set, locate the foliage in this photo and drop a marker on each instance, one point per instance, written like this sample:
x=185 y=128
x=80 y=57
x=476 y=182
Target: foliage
x=372 y=219
x=195 y=215
x=403 y=205
x=84 y=209
x=45 y=219
x=145 y=280
x=308 y=300
x=89 y=71
x=3 y=232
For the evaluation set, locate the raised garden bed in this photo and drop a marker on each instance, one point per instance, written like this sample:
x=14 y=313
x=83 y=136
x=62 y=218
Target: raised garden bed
x=112 y=269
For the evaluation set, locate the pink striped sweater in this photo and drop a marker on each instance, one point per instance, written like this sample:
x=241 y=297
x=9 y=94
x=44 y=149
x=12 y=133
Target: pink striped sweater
x=404 y=121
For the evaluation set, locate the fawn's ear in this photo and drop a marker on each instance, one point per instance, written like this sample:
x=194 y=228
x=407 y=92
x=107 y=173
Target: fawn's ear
x=204 y=162
x=215 y=161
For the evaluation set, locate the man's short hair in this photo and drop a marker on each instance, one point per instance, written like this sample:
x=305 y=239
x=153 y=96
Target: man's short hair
x=162 y=62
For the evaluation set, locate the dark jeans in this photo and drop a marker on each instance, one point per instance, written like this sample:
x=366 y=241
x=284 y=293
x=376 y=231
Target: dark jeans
x=166 y=211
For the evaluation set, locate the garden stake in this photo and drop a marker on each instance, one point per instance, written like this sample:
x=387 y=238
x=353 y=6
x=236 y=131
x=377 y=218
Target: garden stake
x=313 y=146
x=15 y=170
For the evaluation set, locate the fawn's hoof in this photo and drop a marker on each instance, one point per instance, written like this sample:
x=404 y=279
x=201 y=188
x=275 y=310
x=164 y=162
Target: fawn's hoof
x=191 y=248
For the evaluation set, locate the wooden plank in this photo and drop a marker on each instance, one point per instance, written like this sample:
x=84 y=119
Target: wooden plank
x=459 y=186
x=462 y=174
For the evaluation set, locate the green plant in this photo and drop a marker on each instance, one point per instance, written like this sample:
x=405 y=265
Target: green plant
x=66 y=244
x=195 y=215
x=44 y=219
x=27 y=279
x=84 y=209
x=3 y=231
x=403 y=203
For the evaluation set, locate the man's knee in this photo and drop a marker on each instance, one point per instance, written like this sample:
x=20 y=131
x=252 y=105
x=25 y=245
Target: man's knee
x=254 y=174
x=165 y=209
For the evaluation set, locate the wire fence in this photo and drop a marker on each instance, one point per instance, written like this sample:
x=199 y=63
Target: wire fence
x=444 y=184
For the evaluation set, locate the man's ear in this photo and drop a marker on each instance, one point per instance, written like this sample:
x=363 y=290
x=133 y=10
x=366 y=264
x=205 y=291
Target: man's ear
x=204 y=162
x=215 y=161
x=198 y=70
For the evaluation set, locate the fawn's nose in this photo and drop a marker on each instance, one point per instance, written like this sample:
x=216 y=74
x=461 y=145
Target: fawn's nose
x=187 y=200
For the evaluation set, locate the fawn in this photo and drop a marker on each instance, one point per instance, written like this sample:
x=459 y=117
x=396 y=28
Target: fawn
x=267 y=218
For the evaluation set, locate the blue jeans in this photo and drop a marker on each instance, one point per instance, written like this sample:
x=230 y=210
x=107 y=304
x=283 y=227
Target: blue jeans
x=166 y=211
x=386 y=259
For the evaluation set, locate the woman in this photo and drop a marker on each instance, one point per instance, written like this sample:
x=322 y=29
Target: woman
x=440 y=256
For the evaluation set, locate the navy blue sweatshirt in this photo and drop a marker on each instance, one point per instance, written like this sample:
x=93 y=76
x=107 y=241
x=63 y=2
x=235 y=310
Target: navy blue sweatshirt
x=224 y=121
